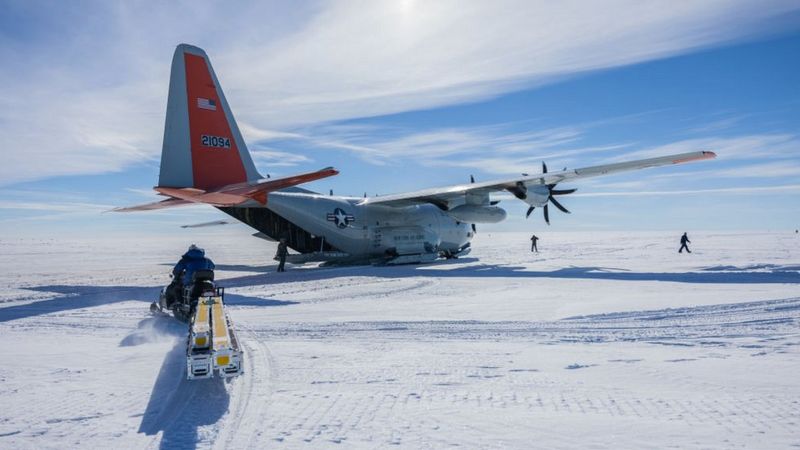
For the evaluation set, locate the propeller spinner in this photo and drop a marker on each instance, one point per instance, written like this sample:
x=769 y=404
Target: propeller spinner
x=551 y=198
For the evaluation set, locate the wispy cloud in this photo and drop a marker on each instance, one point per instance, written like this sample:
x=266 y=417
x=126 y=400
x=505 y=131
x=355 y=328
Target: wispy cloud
x=416 y=57
x=789 y=188
x=492 y=149
x=717 y=125
x=741 y=160
x=252 y=133
x=275 y=158
x=764 y=171
x=53 y=207
x=498 y=150
x=391 y=143
x=143 y=192
x=755 y=146
x=74 y=103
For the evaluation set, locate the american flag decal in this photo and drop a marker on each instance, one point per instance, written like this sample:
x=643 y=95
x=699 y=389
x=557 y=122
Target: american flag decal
x=205 y=103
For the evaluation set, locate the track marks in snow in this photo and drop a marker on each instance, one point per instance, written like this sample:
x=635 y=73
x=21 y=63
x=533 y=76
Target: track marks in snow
x=335 y=289
x=408 y=406
x=328 y=393
x=417 y=417
x=707 y=326
x=250 y=393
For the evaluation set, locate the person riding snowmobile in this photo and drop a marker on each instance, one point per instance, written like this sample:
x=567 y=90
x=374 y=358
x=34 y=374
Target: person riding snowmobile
x=193 y=260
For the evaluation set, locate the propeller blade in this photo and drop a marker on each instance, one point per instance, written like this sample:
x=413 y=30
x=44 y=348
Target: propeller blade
x=546 y=215
x=474 y=229
x=494 y=202
x=558 y=205
x=530 y=210
x=562 y=191
x=471 y=179
x=544 y=167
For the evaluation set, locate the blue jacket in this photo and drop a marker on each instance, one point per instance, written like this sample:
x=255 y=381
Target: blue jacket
x=191 y=261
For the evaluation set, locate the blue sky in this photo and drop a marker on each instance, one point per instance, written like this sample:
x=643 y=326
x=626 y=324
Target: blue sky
x=405 y=95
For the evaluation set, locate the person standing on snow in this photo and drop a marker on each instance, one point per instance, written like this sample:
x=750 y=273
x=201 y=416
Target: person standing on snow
x=684 y=240
x=281 y=255
x=534 y=239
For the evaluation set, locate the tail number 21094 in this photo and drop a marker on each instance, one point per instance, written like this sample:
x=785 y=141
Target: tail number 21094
x=215 y=141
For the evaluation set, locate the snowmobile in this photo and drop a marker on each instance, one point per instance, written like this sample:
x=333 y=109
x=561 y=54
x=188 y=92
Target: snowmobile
x=212 y=345
x=183 y=307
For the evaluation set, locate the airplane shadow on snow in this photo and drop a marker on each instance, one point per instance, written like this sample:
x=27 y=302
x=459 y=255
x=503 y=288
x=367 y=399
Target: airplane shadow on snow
x=459 y=268
x=76 y=297
x=603 y=273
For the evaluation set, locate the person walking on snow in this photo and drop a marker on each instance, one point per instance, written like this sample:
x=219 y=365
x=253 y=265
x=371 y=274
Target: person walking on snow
x=685 y=240
x=281 y=255
x=534 y=239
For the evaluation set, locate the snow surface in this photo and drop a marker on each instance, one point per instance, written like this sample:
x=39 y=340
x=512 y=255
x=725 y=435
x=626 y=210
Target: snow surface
x=600 y=341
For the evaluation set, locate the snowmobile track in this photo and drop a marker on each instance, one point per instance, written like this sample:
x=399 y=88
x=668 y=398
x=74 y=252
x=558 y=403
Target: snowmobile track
x=714 y=325
x=250 y=396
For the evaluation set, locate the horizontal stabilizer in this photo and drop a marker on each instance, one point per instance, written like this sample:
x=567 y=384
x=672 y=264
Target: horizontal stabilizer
x=231 y=195
x=264 y=236
x=168 y=203
x=207 y=224
x=236 y=194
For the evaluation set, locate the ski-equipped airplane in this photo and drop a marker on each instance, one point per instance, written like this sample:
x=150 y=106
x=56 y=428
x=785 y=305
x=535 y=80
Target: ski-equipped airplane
x=205 y=160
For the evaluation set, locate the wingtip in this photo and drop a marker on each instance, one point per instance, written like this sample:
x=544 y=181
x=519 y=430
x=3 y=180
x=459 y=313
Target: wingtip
x=121 y=209
x=696 y=156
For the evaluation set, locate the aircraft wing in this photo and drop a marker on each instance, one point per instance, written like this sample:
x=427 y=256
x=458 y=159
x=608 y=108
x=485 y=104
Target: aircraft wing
x=441 y=196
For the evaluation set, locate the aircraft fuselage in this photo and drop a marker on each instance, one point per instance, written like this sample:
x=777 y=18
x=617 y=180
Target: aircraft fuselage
x=362 y=230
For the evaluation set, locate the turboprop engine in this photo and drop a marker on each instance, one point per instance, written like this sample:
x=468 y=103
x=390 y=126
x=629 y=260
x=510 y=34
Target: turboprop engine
x=540 y=195
x=477 y=214
x=536 y=195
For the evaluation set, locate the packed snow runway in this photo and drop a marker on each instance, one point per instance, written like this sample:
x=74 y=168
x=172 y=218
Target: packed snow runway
x=600 y=341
